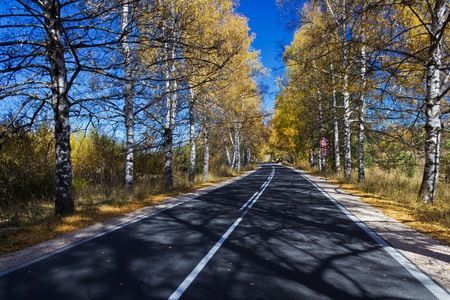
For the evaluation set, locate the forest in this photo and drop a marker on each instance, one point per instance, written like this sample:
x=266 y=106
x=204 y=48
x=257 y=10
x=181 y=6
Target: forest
x=112 y=100
x=109 y=101
x=373 y=77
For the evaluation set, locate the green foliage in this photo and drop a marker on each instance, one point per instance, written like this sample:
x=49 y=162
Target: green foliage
x=26 y=167
x=392 y=156
x=97 y=159
x=181 y=159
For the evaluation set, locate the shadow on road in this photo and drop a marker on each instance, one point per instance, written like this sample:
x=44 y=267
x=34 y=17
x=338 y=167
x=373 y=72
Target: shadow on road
x=293 y=244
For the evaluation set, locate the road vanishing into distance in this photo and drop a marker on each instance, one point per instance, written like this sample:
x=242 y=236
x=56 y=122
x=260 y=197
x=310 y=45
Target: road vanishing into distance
x=270 y=235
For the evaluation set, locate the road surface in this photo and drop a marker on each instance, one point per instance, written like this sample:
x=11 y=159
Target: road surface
x=270 y=235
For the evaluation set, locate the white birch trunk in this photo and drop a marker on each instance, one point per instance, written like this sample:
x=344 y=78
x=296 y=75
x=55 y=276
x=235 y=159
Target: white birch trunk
x=346 y=127
x=61 y=106
x=233 y=162
x=337 y=159
x=340 y=21
x=171 y=109
x=206 y=153
x=237 y=149
x=322 y=160
x=227 y=152
x=362 y=117
x=168 y=139
x=433 y=125
x=192 y=145
x=128 y=109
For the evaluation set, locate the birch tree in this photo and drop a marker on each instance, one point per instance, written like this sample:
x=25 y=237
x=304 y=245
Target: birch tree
x=40 y=63
x=439 y=13
x=129 y=107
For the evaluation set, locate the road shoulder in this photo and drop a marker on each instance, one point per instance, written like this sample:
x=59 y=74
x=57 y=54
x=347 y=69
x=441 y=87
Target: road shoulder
x=431 y=256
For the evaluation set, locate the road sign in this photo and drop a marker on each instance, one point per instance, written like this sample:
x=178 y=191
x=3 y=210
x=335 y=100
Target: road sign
x=325 y=142
x=325 y=152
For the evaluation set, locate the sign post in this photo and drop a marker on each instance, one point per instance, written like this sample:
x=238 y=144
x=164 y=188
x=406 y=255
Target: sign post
x=325 y=152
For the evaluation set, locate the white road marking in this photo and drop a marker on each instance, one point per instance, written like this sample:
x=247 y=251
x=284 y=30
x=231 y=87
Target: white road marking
x=249 y=200
x=190 y=278
x=434 y=288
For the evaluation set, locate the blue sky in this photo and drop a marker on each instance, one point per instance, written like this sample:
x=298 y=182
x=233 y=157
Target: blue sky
x=265 y=22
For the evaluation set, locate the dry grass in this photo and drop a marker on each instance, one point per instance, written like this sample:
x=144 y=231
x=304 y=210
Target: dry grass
x=92 y=206
x=396 y=195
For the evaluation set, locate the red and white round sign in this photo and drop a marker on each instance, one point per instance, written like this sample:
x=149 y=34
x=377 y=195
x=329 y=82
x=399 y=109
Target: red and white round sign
x=325 y=142
x=325 y=152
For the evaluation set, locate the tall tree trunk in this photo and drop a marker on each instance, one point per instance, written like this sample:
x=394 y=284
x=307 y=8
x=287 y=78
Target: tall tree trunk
x=168 y=144
x=362 y=118
x=233 y=161
x=171 y=108
x=206 y=153
x=61 y=106
x=192 y=156
x=433 y=126
x=128 y=109
x=346 y=126
x=341 y=21
x=237 y=149
x=322 y=160
x=227 y=152
x=337 y=159
x=63 y=168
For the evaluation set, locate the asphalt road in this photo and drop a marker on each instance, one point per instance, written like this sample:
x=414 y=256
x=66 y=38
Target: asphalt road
x=271 y=235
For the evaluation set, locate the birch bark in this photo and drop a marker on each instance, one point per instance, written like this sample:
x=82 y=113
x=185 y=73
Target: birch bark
x=192 y=156
x=337 y=159
x=322 y=160
x=340 y=21
x=249 y=156
x=171 y=106
x=346 y=104
x=362 y=117
x=233 y=161
x=227 y=152
x=237 y=149
x=61 y=106
x=346 y=130
x=129 y=105
x=206 y=153
x=433 y=125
